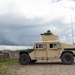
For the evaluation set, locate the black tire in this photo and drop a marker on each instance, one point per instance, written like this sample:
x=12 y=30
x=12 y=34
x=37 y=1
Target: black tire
x=24 y=59
x=67 y=58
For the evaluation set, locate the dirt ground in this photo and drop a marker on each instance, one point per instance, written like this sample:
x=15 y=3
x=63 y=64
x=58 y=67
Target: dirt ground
x=42 y=68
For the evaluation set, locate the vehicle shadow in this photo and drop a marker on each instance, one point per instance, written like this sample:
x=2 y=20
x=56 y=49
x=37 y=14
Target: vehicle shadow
x=50 y=63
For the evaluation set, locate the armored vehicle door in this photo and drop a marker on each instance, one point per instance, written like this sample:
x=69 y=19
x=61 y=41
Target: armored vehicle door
x=53 y=50
x=40 y=51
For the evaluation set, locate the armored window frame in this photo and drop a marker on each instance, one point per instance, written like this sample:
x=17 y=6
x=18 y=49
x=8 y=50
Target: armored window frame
x=53 y=45
x=40 y=46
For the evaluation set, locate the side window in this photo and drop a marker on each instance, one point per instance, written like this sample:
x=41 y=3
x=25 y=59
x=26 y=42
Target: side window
x=51 y=45
x=39 y=45
x=59 y=45
x=55 y=45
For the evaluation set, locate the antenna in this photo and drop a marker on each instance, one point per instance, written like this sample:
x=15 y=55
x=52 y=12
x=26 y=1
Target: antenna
x=71 y=23
x=72 y=29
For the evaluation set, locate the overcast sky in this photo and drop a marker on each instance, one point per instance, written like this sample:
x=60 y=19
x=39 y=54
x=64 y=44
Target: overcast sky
x=22 y=21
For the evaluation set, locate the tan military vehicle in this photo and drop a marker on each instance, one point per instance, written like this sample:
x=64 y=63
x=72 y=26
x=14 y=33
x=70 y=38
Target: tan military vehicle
x=50 y=48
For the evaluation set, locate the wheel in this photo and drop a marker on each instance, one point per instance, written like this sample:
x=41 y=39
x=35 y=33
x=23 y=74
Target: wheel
x=24 y=59
x=67 y=58
x=33 y=61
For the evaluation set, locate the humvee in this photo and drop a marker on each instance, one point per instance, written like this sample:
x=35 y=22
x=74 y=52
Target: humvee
x=50 y=48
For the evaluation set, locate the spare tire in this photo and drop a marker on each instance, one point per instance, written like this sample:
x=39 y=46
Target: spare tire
x=67 y=58
x=24 y=59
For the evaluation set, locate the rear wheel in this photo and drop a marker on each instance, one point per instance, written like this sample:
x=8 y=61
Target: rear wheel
x=24 y=59
x=67 y=58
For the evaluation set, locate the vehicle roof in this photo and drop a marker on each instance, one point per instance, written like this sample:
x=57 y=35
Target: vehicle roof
x=53 y=41
x=46 y=41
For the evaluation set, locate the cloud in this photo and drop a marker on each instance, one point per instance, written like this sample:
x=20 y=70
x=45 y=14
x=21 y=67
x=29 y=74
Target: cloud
x=19 y=31
x=46 y=9
x=27 y=32
x=22 y=21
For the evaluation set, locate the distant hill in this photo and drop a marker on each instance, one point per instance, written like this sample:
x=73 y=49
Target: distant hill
x=4 y=47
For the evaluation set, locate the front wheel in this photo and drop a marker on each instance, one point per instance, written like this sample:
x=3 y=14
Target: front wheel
x=67 y=58
x=24 y=59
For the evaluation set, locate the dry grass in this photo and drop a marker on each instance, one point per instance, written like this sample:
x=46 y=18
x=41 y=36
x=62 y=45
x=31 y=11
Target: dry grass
x=12 y=67
x=5 y=67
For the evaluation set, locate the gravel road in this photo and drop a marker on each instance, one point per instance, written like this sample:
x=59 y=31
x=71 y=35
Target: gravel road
x=43 y=69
